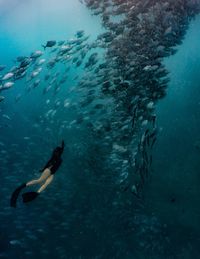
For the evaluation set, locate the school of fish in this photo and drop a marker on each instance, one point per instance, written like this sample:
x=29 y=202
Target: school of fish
x=118 y=81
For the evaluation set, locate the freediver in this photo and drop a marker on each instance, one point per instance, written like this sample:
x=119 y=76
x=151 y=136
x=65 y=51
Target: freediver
x=45 y=179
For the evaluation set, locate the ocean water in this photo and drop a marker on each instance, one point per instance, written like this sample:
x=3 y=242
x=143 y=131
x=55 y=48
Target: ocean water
x=85 y=213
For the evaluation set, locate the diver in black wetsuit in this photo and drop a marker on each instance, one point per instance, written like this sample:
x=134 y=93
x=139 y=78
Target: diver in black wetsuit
x=49 y=169
x=45 y=179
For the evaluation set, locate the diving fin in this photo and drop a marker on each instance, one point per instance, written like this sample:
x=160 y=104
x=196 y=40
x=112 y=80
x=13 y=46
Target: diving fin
x=29 y=196
x=15 y=194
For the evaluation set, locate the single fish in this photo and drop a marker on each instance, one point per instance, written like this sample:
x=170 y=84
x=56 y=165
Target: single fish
x=80 y=33
x=7 y=76
x=46 y=89
x=41 y=61
x=25 y=62
x=26 y=138
x=7 y=85
x=49 y=44
x=36 y=83
x=20 y=58
x=6 y=116
x=36 y=54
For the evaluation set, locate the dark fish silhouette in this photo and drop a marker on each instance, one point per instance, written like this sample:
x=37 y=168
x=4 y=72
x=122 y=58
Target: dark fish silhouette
x=49 y=44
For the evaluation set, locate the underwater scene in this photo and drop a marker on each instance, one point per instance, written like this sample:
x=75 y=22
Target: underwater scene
x=99 y=129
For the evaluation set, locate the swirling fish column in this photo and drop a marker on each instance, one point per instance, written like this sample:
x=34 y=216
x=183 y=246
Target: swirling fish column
x=140 y=34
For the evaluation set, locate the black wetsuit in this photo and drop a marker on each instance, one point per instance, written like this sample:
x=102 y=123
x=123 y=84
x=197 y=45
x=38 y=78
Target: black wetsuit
x=55 y=161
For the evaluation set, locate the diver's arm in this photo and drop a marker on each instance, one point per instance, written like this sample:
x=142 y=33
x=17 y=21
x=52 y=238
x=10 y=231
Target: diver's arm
x=53 y=157
x=63 y=145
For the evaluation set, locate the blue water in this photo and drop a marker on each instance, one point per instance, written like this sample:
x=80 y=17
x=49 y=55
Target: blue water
x=79 y=216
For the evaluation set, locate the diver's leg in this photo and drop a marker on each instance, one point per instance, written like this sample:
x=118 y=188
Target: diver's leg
x=46 y=173
x=48 y=181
